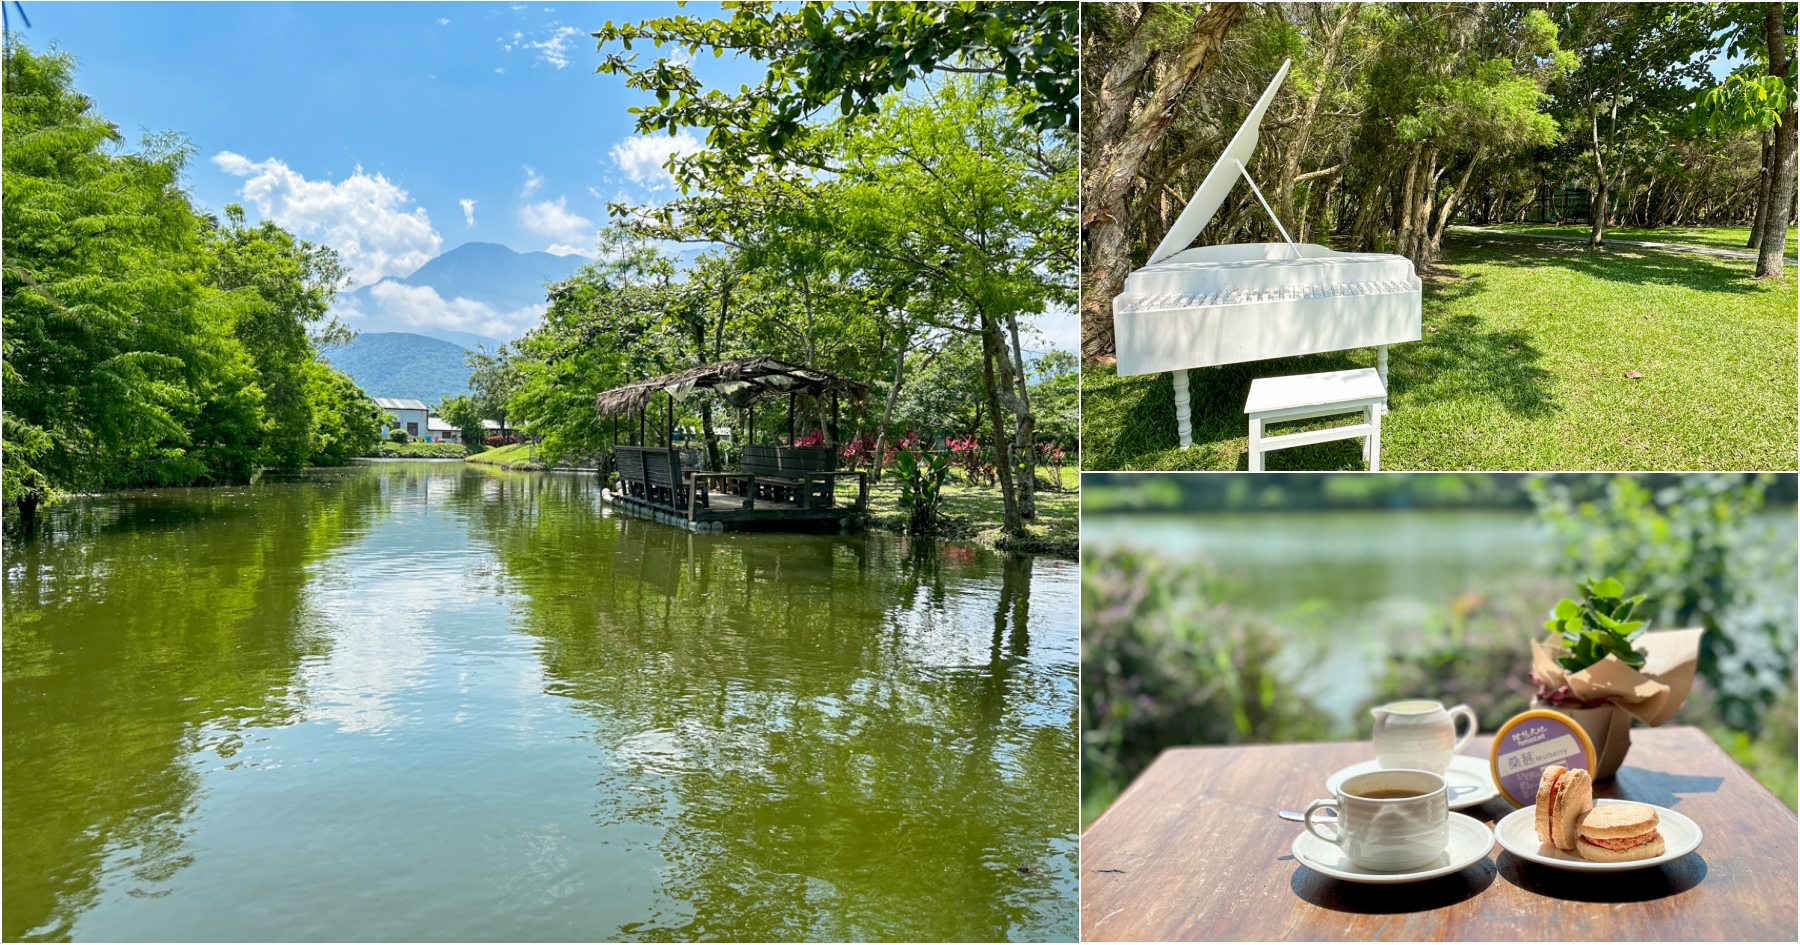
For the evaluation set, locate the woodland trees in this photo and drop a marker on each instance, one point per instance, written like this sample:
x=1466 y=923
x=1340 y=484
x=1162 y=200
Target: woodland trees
x=932 y=213
x=1398 y=119
x=144 y=343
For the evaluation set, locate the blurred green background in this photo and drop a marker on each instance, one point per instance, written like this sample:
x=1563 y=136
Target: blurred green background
x=1230 y=608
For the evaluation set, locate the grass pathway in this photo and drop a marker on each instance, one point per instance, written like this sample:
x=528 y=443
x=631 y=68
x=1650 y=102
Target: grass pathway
x=1522 y=367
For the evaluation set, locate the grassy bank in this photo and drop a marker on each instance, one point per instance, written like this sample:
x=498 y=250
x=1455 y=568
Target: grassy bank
x=1522 y=366
x=1711 y=237
x=974 y=513
x=505 y=456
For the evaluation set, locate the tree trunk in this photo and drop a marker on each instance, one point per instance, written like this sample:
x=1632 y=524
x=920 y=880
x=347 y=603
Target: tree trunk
x=1296 y=150
x=1128 y=137
x=1781 y=187
x=893 y=397
x=1404 y=230
x=1765 y=178
x=993 y=353
x=1024 y=426
x=1443 y=220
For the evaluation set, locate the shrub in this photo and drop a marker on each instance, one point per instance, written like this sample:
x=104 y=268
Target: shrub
x=921 y=478
x=419 y=451
x=1163 y=663
x=397 y=435
x=1689 y=547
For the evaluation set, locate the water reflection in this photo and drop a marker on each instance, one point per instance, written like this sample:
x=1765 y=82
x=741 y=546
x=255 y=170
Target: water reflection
x=457 y=703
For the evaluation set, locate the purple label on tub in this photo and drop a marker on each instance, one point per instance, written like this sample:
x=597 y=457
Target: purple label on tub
x=1530 y=747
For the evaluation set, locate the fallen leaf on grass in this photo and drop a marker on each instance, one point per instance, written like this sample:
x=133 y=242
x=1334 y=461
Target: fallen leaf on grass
x=1512 y=347
x=1432 y=328
x=1633 y=375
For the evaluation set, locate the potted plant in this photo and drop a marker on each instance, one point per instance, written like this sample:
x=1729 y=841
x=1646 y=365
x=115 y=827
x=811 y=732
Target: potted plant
x=1602 y=667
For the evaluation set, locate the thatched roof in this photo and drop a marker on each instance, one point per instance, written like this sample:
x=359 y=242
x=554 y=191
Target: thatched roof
x=740 y=382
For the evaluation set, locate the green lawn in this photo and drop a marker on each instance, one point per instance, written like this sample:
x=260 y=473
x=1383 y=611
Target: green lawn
x=1715 y=237
x=502 y=455
x=973 y=512
x=1522 y=367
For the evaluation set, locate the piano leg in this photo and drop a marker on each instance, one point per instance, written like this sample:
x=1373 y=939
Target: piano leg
x=1381 y=368
x=1184 y=421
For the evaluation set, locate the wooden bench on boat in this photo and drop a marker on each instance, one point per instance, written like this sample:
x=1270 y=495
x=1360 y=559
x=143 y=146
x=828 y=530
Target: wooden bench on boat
x=654 y=474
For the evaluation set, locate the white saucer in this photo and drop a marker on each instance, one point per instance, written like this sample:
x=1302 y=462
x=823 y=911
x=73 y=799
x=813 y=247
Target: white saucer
x=1517 y=832
x=1469 y=779
x=1470 y=840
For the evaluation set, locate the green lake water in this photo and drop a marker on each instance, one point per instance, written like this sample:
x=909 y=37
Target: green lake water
x=437 y=701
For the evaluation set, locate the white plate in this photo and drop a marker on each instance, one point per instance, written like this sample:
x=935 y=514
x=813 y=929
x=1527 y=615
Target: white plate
x=1470 y=840
x=1517 y=832
x=1469 y=779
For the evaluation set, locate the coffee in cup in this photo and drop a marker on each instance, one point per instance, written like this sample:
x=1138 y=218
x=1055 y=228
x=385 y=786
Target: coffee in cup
x=1391 y=821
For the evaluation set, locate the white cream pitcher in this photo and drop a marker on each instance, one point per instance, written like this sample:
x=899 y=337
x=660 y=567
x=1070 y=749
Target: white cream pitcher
x=1420 y=734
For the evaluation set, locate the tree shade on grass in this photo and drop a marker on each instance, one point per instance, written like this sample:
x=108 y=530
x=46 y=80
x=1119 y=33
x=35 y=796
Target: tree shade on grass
x=1711 y=237
x=1523 y=366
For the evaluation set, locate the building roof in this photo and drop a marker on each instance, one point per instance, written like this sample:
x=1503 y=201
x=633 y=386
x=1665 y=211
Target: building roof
x=440 y=425
x=398 y=403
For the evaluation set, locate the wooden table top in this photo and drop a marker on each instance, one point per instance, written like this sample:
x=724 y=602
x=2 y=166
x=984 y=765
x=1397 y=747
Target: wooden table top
x=1193 y=850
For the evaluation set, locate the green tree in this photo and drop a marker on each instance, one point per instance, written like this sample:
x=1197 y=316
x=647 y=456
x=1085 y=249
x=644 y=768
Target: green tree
x=110 y=350
x=823 y=54
x=279 y=287
x=464 y=413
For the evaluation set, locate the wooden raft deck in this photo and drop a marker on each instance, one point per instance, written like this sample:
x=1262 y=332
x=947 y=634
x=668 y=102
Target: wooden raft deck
x=778 y=488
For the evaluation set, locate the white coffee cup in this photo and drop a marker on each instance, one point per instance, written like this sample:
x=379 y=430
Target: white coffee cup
x=1419 y=734
x=1391 y=834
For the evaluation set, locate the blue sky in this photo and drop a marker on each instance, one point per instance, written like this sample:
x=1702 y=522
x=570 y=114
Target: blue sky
x=392 y=131
x=379 y=120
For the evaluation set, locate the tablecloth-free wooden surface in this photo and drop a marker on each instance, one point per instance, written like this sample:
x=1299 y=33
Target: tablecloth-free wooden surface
x=1193 y=850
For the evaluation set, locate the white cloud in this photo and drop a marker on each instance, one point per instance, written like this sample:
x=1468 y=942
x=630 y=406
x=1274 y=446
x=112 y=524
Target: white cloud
x=533 y=180
x=641 y=157
x=420 y=306
x=362 y=217
x=1059 y=329
x=556 y=49
x=554 y=219
x=468 y=210
x=443 y=22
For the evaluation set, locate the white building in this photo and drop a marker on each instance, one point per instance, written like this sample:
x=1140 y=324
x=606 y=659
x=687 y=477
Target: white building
x=439 y=430
x=409 y=415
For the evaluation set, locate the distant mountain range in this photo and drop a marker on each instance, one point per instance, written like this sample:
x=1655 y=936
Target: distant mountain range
x=490 y=292
x=403 y=364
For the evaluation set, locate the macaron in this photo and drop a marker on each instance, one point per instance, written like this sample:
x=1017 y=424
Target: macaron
x=1620 y=833
x=1565 y=796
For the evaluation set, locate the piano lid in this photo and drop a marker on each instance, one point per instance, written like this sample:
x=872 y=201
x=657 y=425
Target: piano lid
x=1219 y=181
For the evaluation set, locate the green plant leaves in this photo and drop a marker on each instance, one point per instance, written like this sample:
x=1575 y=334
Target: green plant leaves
x=1598 y=625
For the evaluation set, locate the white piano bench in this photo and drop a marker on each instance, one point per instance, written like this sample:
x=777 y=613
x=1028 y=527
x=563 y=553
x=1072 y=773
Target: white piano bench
x=1304 y=396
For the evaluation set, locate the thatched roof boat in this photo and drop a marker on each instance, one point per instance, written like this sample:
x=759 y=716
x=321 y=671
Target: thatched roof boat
x=741 y=382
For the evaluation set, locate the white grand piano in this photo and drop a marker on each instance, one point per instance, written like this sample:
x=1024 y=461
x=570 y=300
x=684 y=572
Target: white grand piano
x=1211 y=305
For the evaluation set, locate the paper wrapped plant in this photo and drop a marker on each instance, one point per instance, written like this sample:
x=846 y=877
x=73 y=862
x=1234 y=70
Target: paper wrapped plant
x=1603 y=668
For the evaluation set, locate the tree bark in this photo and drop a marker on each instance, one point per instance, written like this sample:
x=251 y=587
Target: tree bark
x=1781 y=185
x=893 y=397
x=1449 y=207
x=1404 y=236
x=1024 y=426
x=1762 y=192
x=993 y=353
x=1124 y=139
